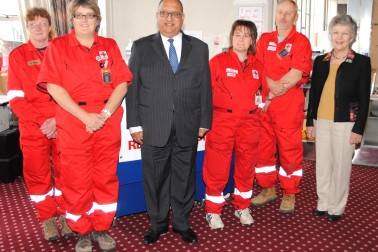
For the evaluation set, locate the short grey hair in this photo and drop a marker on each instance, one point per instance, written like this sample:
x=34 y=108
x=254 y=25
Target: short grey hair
x=289 y=1
x=346 y=20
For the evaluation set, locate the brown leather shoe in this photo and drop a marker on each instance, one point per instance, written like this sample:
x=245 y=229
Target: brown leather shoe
x=65 y=230
x=50 y=232
x=105 y=241
x=266 y=196
x=83 y=243
x=287 y=204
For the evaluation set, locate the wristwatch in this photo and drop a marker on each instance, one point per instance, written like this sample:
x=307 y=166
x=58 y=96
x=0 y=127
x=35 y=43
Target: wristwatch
x=106 y=112
x=268 y=98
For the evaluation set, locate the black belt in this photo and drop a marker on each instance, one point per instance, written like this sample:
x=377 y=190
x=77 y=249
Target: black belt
x=83 y=103
x=231 y=111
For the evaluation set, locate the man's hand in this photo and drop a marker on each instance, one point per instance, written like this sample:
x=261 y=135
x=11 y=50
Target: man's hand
x=202 y=132
x=137 y=137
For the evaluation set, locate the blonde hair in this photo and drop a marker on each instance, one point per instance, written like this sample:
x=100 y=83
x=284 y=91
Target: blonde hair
x=91 y=4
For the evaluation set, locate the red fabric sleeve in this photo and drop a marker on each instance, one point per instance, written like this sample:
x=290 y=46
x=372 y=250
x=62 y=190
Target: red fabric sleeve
x=302 y=59
x=120 y=72
x=51 y=70
x=24 y=109
x=214 y=72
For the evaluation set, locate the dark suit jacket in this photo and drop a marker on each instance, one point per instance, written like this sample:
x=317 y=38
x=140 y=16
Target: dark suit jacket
x=352 y=89
x=158 y=97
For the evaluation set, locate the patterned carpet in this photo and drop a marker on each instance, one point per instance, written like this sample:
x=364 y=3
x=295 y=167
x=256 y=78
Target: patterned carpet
x=272 y=231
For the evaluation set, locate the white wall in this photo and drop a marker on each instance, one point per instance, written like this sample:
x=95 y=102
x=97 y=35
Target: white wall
x=361 y=11
x=133 y=19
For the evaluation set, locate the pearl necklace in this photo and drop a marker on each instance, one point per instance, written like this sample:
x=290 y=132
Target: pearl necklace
x=339 y=58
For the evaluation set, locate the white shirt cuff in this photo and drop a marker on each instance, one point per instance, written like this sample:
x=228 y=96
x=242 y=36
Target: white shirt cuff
x=135 y=129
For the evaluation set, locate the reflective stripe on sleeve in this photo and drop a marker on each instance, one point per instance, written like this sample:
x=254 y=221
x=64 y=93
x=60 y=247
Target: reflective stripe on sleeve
x=15 y=93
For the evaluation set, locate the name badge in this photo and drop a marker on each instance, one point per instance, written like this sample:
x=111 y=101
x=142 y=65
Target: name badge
x=282 y=54
x=34 y=62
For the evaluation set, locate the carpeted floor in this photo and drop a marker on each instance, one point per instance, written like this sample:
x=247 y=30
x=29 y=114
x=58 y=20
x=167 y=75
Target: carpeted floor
x=272 y=231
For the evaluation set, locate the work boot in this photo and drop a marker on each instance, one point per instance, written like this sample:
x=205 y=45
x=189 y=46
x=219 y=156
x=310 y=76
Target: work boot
x=287 y=204
x=65 y=230
x=267 y=195
x=105 y=241
x=245 y=216
x=83 y=243
x=215 y=221
x=49 y=229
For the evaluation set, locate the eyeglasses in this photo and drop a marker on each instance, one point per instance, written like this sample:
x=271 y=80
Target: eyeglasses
x=174 y=14
x=35 y=25
x=81 y=16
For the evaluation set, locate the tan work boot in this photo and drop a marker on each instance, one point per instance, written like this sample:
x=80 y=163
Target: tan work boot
x=105 y=241
x=287 y=204
x=50 y=232
x=83 y=243
x=65 y=230
x=267 y=195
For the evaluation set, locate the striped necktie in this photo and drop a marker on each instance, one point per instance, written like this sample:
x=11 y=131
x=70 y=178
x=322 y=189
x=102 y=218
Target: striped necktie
x=173 y=56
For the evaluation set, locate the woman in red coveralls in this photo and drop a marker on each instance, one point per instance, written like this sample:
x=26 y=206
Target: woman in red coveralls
x=236 y=78
x=87 y=77
x=35 y=111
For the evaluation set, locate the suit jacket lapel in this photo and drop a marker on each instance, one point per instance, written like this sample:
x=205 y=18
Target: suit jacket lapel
x=186 y=48
x=157 y=45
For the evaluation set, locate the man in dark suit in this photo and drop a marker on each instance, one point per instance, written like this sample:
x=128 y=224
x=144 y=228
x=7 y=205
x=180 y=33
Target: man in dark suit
x=169 y=106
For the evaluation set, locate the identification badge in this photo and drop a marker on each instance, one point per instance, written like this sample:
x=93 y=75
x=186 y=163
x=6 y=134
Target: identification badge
x=258 y=98
x=282 y=54
x=106 y=77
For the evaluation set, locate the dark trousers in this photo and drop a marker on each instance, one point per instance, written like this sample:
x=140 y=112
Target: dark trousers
x=169 y=181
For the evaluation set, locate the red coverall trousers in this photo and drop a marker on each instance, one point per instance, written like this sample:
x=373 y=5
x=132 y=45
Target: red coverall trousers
x=89 y=166
x=38 y=152
x=290 y=150
x=237 y=131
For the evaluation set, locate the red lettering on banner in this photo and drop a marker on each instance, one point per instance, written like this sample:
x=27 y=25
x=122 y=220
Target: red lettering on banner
x=133 y=145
